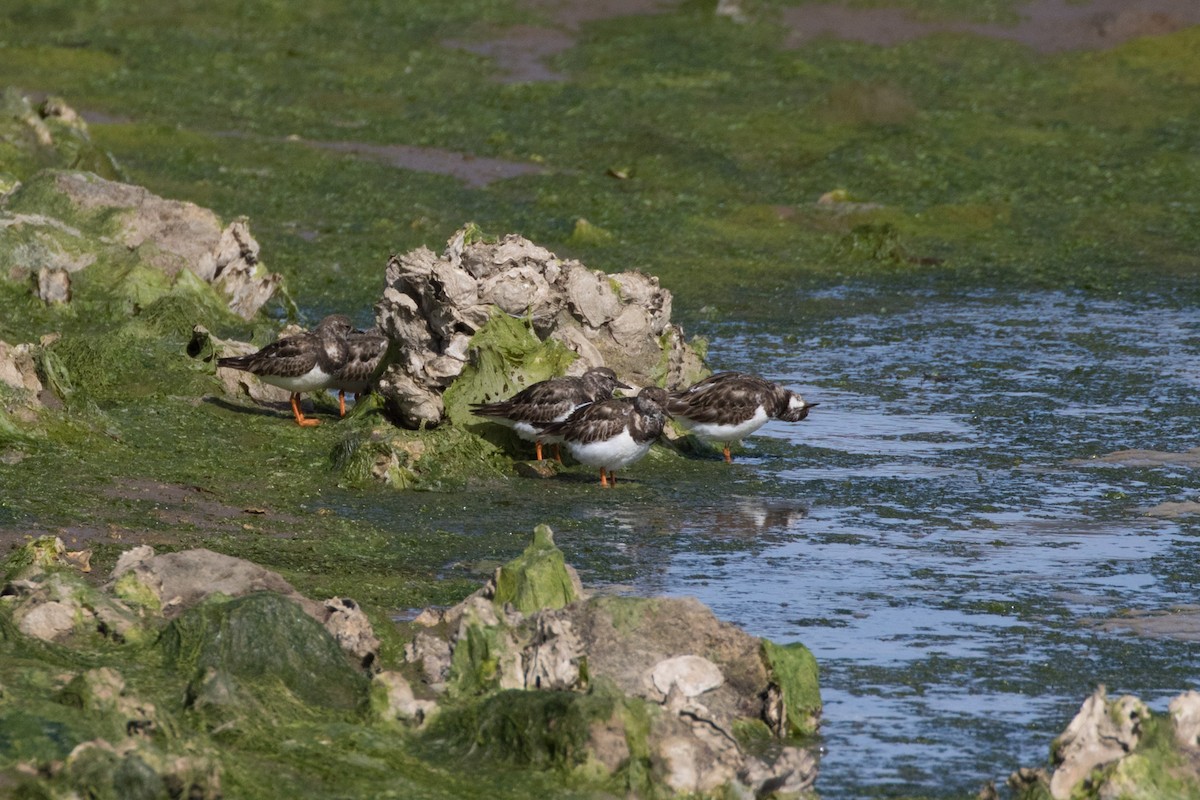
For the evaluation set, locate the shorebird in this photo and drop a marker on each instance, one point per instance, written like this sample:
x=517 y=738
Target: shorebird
x=612 y=434
x=365 y=351
x=306 y=362
x=729 y=406
x=529 y=411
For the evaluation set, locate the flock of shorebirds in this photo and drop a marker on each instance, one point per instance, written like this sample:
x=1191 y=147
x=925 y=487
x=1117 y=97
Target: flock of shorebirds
x=576 y=412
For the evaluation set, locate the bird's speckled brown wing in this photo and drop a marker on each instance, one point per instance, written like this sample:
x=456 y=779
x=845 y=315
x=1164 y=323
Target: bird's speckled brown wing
x=365 y=352
x=539 y=404
x=724 y=398
x=595 y=422
x=289 y=357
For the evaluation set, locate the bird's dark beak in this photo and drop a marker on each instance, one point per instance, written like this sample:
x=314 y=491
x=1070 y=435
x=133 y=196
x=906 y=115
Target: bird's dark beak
x=620 y=385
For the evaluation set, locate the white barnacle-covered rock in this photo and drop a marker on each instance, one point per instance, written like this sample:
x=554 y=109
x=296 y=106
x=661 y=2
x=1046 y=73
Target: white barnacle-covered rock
x=1100 y=733
x=1185 y=714
x=692 y=675
x=402 y=704
x=432 y=305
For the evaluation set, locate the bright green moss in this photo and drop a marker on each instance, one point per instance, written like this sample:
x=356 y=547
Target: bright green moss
x=794 y=670
x=537 y=579
x=506 y=357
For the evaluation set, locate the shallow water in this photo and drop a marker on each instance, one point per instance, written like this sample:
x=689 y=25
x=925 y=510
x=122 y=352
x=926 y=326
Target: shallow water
x=924 y=532
x=952 y=560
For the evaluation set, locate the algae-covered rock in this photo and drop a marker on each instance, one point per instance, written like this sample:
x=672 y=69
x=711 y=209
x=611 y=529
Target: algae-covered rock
x=1116 y=749
x=51 y=601
x=103 y=692
x=505 y=356
x=50 y=133
x=260 y=655
x=137 y=769
x=433 y=308
x=551 y=683
x=538 y=578
x=539 y=729
x=169 y=584
x=793 y=698
x=63 y=229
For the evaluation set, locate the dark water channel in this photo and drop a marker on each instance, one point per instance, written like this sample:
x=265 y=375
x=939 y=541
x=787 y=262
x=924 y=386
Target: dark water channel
x=927 y=531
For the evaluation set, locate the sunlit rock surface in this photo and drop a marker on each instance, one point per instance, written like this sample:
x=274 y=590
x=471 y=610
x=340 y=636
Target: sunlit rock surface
x=1116 y=748
x=655 y=690
x=76 y=215
x=433 y=305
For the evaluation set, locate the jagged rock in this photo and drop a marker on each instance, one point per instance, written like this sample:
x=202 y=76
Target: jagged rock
x=553 y=658
x=432 y=305
x=22 y=393
x=18 y=368
x=433 y=654
x=398 y=701
x=1101 y=732
x=703 y=678
x=1185 y=714
x=116 y=222
x=209 y=348
x=352 y=630
x=1117 y=749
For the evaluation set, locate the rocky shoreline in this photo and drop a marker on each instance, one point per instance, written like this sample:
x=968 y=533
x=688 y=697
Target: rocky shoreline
x=157 y=671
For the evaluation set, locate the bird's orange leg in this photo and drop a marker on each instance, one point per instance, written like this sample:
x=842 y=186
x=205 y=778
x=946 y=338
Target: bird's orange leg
x=603 y=478
x=341 y=402
x=538 y=446
x=557 y=453
x=728 y=457
x=301 y=420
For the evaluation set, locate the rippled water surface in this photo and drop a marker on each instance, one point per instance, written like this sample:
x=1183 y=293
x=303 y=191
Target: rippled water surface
x=954 y=560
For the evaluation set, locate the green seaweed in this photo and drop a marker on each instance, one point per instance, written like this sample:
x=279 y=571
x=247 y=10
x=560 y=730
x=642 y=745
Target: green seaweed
x=506 y=356
x=537 y=579
x=794 y=670
x=260 y=655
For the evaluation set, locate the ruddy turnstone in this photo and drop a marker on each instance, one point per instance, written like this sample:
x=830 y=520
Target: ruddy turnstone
x=533 y=408
x=612 y=434
x=729 y=406
x=307 y=362
x=364 y=357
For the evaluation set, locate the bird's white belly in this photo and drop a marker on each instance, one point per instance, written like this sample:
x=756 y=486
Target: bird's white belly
x=716 y=432
x=613 y=454
x=526 y=430
x=316 y=378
